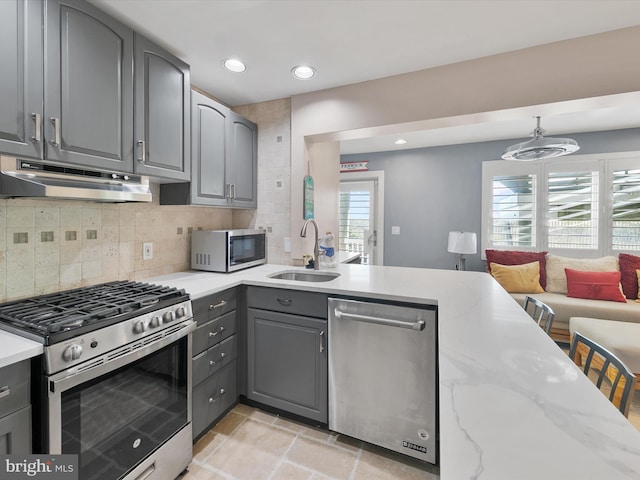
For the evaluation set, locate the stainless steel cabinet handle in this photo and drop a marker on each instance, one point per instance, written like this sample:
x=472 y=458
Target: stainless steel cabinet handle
x=233 y=190
x=218 y=305
x=56 y=132
x=284 y=301
x=227 y=192
x=213 y=334
x=222 y=355
x=211 y=399
x=37 y=118
x=211 y=363
x=5 y=391
x=321 y=341
x=143 y=146
x=222 y=391
x=417 y=325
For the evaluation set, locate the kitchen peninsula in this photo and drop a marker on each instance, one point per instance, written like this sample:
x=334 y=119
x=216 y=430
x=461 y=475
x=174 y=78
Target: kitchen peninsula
x=511 y=403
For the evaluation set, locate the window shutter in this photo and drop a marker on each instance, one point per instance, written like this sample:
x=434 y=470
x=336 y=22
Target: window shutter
x=513 y=221
x=626 y=210
x=572 y=220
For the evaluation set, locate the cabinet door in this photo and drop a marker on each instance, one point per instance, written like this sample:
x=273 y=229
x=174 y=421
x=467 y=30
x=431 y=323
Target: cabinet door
x=243 y=155
x=89 y=87
x=287 y=363
x=21 y=77
x=15 y=433
x=209 y=143
x=162 y=107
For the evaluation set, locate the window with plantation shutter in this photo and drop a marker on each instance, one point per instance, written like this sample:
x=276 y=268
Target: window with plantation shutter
x=626 y=210
x=572 y=211
x=582 y=206
x=513 y=219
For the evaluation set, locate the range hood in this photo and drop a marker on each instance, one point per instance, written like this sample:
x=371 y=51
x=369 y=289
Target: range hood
x=26 y=178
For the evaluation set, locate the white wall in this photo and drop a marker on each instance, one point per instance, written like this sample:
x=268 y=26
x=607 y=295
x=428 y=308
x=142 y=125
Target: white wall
x=557 y=77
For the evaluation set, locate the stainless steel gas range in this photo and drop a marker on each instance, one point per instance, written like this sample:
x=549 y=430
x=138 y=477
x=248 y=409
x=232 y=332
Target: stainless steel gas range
x=114 y=383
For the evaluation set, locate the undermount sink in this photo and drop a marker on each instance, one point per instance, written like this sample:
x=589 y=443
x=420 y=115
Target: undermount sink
x=301 y=276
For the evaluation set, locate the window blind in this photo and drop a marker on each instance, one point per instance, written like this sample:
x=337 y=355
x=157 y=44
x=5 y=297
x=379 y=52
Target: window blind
x=353 y=219
x=513 y=213
x=626 y=210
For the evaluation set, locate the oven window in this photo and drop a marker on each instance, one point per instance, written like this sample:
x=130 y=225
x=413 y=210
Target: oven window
x=246 y=248
x=114 y=421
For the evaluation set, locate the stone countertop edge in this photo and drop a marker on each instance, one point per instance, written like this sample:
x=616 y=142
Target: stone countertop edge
x=14 y=349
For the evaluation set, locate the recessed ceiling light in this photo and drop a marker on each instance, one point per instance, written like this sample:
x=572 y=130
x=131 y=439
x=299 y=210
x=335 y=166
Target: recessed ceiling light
x=400 y=141
x=234 y=65
x=303 y=72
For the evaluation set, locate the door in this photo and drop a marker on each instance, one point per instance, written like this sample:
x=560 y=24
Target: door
x=21 y=77
x=243 y=157
x=162 y=113
x=209 y=123
x=89 y=87
x=287 y=362
x=361 y=215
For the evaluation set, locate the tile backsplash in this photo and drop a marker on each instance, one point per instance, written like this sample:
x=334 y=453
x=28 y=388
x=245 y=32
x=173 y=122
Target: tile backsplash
x=48 y=245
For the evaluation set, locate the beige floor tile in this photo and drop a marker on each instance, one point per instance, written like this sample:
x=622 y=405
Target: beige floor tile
x=196 y=472
x=253 y=451
x=242 y=409
x=289 y=471
x=207 y=444
x=378 y=464
x=229 y=423
x=305 y=430
x=262 y=416
x=326 y=459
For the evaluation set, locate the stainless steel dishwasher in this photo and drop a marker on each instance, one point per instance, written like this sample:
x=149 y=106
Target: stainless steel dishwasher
x=383 y=364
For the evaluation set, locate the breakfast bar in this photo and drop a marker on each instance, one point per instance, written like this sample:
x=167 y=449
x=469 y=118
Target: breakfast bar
x=512 y=405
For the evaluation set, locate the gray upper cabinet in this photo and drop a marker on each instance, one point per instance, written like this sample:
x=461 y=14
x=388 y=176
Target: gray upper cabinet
x=21 y=77
x=161 y=114
x=243 y=155
x=223 y=159
x=88 y=100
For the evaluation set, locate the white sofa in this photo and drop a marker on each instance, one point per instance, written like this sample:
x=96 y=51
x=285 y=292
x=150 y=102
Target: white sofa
x=566 y=307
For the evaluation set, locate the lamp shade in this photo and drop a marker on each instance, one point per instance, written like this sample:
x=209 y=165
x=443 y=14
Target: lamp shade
x=462 y=243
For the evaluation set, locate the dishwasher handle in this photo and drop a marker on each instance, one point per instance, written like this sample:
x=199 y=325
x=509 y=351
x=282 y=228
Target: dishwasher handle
x=418 y=325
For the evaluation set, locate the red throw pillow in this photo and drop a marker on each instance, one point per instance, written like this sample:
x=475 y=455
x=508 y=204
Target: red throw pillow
x=594 y=285
x=629 y=279
x=517 y=257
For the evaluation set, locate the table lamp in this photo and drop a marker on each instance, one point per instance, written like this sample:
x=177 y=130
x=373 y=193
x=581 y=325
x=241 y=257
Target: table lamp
x=462 y=243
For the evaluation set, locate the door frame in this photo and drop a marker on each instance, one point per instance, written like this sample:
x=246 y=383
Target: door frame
x=377 y=176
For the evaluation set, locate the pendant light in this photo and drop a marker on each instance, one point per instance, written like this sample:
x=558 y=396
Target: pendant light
x=540 y=147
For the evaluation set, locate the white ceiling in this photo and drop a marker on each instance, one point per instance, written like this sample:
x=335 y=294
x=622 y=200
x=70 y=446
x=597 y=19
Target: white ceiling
x=350 y=41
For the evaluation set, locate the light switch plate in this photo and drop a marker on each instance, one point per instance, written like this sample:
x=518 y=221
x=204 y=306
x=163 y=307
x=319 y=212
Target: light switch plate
x=147 y=251
x=395 y=230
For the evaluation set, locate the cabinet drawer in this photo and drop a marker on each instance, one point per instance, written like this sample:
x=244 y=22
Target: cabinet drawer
x=213 y=306
x=15 y=433
x=288 y=301
x=212 y=360
x=213 y=397
x=14 y=387
x=213 y=332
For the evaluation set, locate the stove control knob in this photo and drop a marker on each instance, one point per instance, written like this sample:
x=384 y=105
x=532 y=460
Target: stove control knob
x=155 y=321
x=72 y=352
x=181 y=312
x=139 y=327
x=169 y=317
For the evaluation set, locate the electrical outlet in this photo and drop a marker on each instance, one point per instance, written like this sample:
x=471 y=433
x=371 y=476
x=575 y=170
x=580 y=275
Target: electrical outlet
x=147 y=251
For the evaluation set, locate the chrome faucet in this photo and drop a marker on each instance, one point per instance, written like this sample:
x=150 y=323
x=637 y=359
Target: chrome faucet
x=303 y=234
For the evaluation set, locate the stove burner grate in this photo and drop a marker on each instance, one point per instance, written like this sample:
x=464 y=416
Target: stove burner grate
x=68 y=310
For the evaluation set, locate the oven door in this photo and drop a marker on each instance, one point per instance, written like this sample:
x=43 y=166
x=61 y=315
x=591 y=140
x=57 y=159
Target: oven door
x=115 y=414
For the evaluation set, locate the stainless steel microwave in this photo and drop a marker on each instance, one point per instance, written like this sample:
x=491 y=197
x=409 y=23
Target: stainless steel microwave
x=227 y=250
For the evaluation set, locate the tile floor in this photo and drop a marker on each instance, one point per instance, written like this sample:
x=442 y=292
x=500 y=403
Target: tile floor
x=253 y=445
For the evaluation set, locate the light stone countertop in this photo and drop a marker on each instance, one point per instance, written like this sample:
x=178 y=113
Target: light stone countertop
x=512 y=404
x=14 y=348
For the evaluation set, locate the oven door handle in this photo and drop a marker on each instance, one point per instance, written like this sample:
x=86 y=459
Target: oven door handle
x=78 y=374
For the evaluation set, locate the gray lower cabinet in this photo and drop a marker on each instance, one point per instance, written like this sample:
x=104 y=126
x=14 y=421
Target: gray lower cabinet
x=15 y=409
x=223 y=159
x=287 y=352
x=21 y=77
x=162 y=123
x=215 y=355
